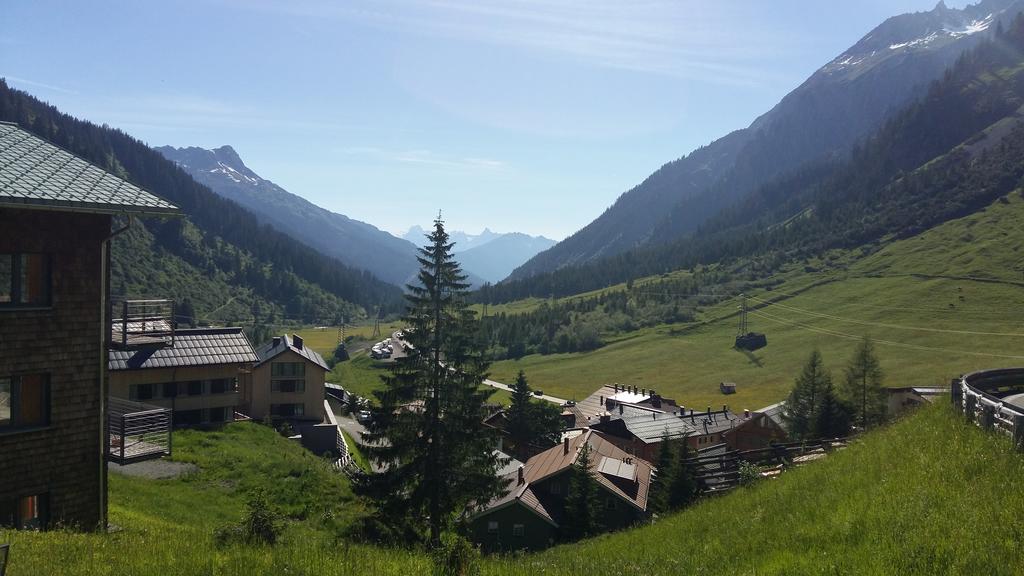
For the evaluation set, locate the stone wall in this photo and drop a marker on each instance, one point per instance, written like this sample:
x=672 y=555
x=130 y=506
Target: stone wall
x=65 y=459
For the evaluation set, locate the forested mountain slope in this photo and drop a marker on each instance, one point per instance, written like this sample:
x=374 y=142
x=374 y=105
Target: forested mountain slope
x=946 y=155
x=819 y=121
x=220 y=250
x=355 y=243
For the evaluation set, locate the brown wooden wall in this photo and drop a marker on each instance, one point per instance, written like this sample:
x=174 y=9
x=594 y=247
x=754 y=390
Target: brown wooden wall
x=65 y=459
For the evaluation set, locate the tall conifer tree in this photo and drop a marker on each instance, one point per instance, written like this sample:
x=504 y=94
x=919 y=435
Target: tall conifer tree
x=863 y=389
x=427 y=432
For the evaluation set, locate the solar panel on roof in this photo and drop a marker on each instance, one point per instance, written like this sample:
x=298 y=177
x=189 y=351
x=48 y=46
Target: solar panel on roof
x=617 y=468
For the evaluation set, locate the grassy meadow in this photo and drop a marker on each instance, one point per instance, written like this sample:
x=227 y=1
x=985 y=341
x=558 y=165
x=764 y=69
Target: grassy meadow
x=938 y=304
x=927 y=495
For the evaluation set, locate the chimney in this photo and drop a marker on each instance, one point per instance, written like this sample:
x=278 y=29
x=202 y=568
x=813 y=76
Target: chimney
x=643 y=391
x=746 y=413
x=654 y=415
x=277 y=340
x=565 y=445
x=606 y=417
x=297 y=341
x=522 y=479
x=616 y=386
x=725 y=408
x=620 y=409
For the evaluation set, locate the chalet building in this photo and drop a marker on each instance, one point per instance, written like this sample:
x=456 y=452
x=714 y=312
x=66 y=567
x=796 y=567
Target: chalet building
x=287 y=382
x=529 y=515
x=198 y=376
x=55 y=229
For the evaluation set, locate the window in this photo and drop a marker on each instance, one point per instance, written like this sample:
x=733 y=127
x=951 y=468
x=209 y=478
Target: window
x=218 y=414
x=170 y=389
x=24 y=280
x=24 y=401
x=287 y=385
x=492 y=527
x=518 y=530
x=24 y=513
x=195 y=388
x=140 y=392
x=222 y=385
x=188 y=417
x=287 y=410
x=288 y=370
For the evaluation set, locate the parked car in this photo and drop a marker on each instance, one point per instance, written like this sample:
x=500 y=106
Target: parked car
x=538 y=392
x=569 y=403
x=363 y=416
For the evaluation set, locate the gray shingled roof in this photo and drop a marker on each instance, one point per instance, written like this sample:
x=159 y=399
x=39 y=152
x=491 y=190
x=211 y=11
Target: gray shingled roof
x=269 y=350
x=194 y=347
x=37 y=174
x=651 y=427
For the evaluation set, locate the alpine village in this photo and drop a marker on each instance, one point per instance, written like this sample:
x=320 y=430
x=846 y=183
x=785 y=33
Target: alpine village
x=794 y=349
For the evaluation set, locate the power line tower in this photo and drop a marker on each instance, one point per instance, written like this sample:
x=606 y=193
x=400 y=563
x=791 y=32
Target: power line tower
x=376 y=324
x=746 y=340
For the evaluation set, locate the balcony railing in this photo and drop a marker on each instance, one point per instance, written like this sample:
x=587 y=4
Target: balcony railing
x=141 y=324
x=137 y=431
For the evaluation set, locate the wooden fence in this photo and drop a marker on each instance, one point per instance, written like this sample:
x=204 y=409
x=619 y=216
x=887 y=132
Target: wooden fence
x=718 y=469
x=981 y=397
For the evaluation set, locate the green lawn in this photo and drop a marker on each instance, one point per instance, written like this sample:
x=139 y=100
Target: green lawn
x=929 y=323
x=361 y=375
x=928 y=495
x=165 y=527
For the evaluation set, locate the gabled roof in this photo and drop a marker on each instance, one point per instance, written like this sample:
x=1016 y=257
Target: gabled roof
x=559 y=459
x=281 y=344
x=192 y=347
x=37 y=174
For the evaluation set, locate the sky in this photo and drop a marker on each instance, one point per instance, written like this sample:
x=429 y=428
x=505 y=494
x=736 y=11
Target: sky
x=518 y=115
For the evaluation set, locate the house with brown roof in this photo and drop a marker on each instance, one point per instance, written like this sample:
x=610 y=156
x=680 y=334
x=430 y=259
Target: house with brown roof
x=197 y=376
x=56 y=216
x=530 y=514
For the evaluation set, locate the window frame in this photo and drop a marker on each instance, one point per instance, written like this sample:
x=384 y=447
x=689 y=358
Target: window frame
x=10 y=512
x=519 y=530
x=15 y=385
x=16 y=288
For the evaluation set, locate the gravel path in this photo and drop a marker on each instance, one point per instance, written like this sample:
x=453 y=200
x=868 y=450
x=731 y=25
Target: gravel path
x=153 y=469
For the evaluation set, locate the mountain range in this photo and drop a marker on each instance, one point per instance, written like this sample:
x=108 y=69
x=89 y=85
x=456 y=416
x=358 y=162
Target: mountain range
x=355 y=243
x=951 y=150
x=822 y=120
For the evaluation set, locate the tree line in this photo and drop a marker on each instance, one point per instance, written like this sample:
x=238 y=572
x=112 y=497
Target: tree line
x=270 y=263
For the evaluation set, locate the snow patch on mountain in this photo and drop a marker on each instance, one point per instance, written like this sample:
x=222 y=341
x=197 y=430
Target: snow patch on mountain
x=233 y=174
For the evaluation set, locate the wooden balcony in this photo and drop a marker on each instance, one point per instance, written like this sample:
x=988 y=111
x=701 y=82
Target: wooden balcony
x=137 y=431
x=138 y=324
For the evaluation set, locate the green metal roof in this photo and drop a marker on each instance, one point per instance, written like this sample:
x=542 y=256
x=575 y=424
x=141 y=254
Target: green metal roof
x=37 y=174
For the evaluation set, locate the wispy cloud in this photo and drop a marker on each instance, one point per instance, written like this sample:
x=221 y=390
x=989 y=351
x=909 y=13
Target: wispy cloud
x=426 y=158
x=25 y=82
x=670 y=37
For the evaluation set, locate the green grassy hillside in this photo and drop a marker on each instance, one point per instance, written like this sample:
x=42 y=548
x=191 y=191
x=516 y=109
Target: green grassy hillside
x=915 y=297
x=927 y=495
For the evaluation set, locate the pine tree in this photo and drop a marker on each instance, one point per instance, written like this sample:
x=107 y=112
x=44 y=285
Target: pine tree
x=519 y=414
x=583 y=500
x=428 y=430
x=682 y=488
x=863 y=389
x=531 y=422
x=802 y=404
x=831 y=415
x=666 y=466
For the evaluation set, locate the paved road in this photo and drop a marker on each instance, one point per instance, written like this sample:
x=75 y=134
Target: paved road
x=506 y=387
